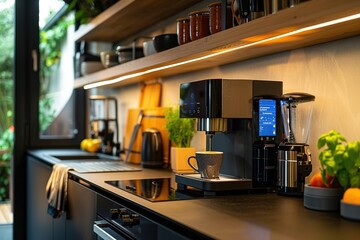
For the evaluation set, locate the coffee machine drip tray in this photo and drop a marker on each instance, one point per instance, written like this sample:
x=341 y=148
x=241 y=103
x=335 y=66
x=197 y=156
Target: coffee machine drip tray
x=212 y=186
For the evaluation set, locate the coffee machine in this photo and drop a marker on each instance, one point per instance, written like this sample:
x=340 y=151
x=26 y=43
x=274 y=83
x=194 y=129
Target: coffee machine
x=104 y=124
x=224 y=109
x=294 y=155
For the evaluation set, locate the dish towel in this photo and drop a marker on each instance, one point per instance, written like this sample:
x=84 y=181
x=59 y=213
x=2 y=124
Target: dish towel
x=56 y=190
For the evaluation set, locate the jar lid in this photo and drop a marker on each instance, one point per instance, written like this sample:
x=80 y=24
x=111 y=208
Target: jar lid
x=199 y=12
x=183 y=19
x=214 y=4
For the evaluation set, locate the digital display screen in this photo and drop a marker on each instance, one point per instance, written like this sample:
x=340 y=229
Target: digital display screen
x=267 y=118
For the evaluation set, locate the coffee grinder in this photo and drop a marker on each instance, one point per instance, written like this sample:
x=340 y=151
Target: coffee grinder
x=224 y=111
x=294 y=155
x=104 y=124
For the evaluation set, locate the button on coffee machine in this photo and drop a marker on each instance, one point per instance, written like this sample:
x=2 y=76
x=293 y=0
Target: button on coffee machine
x=294 y=156
x=224 y=111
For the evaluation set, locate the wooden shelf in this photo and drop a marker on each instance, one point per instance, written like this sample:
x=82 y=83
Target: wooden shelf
x=254 y=39
x=127 y=17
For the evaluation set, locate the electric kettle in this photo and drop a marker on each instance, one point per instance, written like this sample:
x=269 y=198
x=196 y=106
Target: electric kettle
x=152 y=151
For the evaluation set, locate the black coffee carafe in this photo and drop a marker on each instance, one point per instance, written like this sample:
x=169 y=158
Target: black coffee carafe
x=152 y=151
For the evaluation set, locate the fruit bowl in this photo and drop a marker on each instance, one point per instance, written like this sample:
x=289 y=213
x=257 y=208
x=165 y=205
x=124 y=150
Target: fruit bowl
x=322 y=198
x=350 y=211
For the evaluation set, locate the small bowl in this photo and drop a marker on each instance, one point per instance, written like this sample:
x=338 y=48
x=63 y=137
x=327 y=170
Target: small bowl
x=350 y=211
x=165 y=41
x=109 y=58
x=125 y=53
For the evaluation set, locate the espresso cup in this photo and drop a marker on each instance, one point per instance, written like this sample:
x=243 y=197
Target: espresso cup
x=208 y=162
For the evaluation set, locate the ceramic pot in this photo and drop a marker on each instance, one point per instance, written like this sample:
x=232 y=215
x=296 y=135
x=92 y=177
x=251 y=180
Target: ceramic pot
x=179 y=157
x=350 y=211
x=322 y=199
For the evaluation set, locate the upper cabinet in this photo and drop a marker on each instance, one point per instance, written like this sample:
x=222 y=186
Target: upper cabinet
x=309 y=23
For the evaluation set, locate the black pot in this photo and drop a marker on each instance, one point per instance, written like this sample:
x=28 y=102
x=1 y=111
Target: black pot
x=165 y=41
x=152 y=151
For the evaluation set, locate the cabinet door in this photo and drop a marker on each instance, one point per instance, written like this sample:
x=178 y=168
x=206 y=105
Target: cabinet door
x=40 y=225
x=81 y=212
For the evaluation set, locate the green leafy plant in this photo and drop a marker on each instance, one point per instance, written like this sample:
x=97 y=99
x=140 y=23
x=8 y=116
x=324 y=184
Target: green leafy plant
x=51 y=41
x=6 y=150
x=50 y=46
x=180 y=130
x=6 y=98
x=87 y=9
x=339 y=159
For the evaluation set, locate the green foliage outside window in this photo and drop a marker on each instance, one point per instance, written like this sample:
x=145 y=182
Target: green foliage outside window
x=51 y=41
x=6 y=98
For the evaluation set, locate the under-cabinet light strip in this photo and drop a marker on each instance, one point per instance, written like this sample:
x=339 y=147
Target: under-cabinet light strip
x=301 y=30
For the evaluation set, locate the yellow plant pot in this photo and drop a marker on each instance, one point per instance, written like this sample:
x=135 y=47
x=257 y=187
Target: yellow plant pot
x=179 y=157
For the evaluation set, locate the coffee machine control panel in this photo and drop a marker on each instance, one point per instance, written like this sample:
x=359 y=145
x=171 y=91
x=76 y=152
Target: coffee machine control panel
x=196 y=100
x=224 y=98
x=266 y=118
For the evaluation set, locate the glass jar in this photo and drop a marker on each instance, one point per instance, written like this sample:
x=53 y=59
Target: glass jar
x=183 y=30
x=215 y=19
x=199 y=24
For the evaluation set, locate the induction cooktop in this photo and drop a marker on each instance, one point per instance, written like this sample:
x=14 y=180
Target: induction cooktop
x=154 y=189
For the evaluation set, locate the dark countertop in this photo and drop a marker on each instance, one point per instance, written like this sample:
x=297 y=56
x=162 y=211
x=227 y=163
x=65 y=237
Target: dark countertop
x=241 y=216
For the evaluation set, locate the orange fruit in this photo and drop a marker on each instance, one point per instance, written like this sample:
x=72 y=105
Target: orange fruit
x=316 y=181
x=352 y=196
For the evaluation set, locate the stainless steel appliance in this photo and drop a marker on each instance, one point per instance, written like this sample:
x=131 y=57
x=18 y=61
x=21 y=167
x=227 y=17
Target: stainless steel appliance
x=104 y=124
x=224 y=109
x=115 y=221
x=294 y=155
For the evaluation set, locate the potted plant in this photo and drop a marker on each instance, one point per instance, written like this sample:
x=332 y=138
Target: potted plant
x=339 y=159
x=339 y=170
x=180 y=132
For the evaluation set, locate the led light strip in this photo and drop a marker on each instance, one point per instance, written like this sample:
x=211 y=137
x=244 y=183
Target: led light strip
x=301 y=30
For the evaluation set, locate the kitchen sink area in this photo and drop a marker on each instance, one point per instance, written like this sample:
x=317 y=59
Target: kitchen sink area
x=77 y=154
x=76 y=157
x=86 y=162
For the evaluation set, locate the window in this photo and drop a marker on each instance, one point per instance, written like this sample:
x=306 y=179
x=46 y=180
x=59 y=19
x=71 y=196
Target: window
x=56 y=119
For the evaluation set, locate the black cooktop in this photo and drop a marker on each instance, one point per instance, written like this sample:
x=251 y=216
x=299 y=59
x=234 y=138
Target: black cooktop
x=154 y=189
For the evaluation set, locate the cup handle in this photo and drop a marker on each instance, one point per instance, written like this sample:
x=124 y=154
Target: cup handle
x=197 y=170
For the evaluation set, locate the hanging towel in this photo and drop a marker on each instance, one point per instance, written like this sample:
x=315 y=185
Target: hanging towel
x=56 y=190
